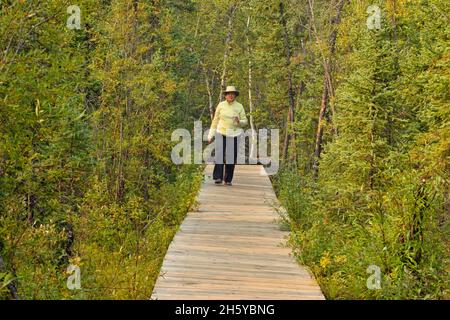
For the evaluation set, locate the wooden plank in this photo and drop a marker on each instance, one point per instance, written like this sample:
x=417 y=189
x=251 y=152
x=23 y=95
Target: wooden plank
x=200 y=265
x=254 y=273
x=232 y=246
x=242 y=287
x=236 y=294
x=307 y=284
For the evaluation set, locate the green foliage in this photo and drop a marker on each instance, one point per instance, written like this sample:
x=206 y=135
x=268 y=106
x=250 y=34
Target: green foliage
x=382 y=193
x=86 y=118
x=85 y=171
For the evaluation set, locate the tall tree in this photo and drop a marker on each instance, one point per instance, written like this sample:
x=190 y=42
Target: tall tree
x=327 y=92
x=290 y=90
x=231 y=12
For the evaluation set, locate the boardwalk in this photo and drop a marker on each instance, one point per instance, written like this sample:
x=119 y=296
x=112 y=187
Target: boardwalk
x=231 y=248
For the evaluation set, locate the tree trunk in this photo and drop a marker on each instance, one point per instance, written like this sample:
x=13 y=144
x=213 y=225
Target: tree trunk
x=287 y=50
x=327 y=91
x=253 y=146
x=226 y=54
x=208 y=90
x=294 y=153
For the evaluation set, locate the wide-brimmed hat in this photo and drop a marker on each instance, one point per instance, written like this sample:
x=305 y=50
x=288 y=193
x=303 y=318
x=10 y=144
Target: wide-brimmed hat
x=231 y=89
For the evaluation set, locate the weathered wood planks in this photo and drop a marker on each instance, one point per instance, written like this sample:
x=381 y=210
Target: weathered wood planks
x=232 y=247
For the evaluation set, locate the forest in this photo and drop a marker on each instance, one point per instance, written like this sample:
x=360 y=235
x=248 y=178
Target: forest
x=91 y=90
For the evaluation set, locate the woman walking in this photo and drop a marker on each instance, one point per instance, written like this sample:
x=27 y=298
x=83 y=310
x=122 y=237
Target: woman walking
x=229 y=117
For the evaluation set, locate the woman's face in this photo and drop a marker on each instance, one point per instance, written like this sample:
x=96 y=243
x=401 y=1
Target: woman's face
x=230 y=96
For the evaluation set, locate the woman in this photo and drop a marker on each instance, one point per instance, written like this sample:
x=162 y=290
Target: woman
x=228 y=118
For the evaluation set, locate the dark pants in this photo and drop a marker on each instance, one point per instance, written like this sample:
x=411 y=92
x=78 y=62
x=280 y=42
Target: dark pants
x=229 y=150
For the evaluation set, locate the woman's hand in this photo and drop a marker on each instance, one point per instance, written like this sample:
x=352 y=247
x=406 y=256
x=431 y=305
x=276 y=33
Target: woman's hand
x=210 y=140
x=237 y=119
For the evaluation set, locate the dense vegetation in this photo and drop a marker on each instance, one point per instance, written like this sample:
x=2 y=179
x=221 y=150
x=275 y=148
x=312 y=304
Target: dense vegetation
x=86 y=174
x=86 y=117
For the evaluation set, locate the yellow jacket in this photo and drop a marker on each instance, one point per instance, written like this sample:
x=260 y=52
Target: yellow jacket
x=223 y=119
